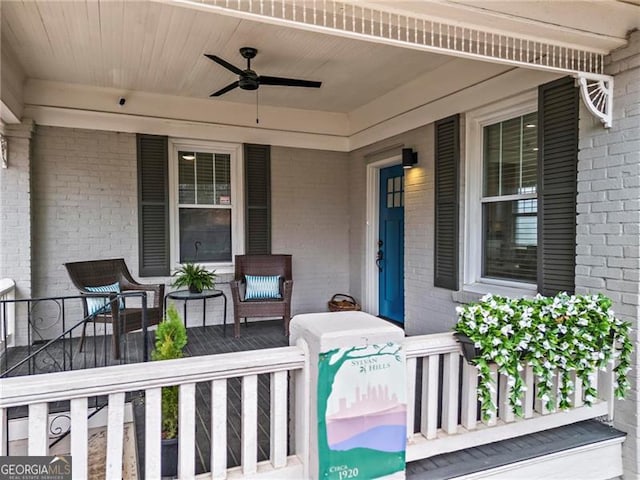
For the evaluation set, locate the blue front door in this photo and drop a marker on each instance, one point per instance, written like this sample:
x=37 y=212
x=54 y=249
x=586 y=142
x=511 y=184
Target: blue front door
x=390 y=256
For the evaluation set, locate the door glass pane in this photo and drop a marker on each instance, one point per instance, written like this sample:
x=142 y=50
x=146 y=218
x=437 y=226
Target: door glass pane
x=397 y=184
x=205 y=235
x=389 y=185
x=389 y=200
x=397 y=199
x=510 y=240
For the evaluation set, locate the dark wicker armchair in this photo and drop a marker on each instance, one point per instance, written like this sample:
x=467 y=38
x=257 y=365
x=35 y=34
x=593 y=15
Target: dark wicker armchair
x=271 y=307
x=96 y=273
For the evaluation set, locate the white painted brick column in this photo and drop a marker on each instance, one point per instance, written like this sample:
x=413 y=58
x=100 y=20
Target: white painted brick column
x=608 y=229
x=366 y=347
x=15 y=218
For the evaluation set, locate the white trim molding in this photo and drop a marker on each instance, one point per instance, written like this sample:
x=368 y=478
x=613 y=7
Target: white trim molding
x=371 y=292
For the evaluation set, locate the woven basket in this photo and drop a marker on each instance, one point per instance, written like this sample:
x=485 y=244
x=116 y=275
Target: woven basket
x=342 y=303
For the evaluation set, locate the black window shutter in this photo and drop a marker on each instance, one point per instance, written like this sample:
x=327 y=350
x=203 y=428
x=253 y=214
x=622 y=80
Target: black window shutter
x=153 y=205
x=447 y=161
x=257 y=163
x=558 y=114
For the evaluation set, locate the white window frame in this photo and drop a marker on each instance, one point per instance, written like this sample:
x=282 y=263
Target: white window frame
x=237 y=198
x=475 y=122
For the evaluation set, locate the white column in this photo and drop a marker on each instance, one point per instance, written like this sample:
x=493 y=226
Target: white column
x=349 y=336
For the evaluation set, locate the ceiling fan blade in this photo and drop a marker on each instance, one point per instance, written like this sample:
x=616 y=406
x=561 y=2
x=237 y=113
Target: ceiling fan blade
x=224 y=90
x=224 y=63
x=287 y=82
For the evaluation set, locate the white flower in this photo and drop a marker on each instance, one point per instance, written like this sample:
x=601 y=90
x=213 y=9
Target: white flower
x=507 y=329
x=542 y=328
x=496 y=341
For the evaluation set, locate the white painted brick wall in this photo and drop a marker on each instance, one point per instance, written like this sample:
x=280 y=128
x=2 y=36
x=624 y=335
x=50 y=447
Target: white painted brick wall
x=310 y=220
x=608 y=244
x=15 y=220
x=84 y=203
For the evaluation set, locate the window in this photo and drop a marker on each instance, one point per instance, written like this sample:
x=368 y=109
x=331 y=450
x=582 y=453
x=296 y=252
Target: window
x=520 y=207
x=501 y=197
x=206 y=221
x=509 y=204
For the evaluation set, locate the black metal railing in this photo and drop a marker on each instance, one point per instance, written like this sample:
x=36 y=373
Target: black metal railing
x=55 y=327
x=53 y=339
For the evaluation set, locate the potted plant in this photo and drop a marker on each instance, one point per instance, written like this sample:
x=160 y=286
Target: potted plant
x=565 y=333
x=171 y=338
x=195 y=277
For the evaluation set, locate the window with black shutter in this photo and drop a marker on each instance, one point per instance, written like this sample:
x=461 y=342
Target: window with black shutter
x=557 y=172
x=521 y=182
x=153 y=205
x=257 y=160
x=447 y=160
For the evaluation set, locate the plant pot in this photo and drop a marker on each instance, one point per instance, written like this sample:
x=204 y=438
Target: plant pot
x=194 y=289
x=169 y=466
x=469 y=350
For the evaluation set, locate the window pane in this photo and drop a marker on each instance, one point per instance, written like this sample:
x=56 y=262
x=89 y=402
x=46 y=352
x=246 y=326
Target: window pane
x=491 y=167
x=204 y=169
x=186 y=177
x=205 y=235
x=510 y=175
x=510 y=240
x=510 y=153
x=223 y=179
x=530 y=153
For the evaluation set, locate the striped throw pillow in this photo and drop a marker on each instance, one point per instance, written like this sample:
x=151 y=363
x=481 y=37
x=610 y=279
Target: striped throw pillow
x=262 y=287
x=101 y=305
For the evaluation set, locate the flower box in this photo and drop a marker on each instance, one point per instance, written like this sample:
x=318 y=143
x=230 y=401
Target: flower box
x=566 y=335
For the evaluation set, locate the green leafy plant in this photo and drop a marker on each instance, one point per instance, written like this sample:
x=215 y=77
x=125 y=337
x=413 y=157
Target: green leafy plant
x=567 y=334
x=195 y=277
x=171 y=338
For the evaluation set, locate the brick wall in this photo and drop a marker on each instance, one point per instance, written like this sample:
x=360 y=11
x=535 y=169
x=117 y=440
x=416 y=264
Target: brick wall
x=84 y=206
x=15 y=218
x=608 y=230
x=310 y=220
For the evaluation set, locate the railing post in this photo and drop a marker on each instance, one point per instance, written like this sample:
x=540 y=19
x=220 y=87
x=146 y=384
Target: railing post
x=357 y=385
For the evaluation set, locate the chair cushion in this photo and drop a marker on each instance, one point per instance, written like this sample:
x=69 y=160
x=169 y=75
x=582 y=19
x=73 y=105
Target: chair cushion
x=101 y=305
x=262 y=287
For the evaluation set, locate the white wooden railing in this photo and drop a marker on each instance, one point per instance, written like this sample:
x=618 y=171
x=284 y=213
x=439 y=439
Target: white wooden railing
x=78 y=386
x=7 y=313
x=446 y=380
x=446 y=431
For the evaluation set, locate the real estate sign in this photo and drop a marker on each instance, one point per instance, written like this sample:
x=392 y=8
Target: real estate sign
x=362 y=419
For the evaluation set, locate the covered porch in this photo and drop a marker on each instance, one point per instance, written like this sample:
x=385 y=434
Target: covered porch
x=103 y=104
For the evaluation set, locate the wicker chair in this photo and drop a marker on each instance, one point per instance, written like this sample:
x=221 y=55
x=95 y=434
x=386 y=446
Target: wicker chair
x=95 y=273
x=262 y=265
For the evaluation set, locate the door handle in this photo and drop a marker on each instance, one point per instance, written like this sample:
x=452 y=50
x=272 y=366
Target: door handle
x=379 y=259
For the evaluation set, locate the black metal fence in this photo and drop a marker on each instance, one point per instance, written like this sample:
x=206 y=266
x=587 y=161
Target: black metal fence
x=55 y=326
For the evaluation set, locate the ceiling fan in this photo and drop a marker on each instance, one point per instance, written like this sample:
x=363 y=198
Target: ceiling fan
x=250 y=80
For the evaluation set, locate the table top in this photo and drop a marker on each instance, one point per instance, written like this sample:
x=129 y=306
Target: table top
x=187 y=295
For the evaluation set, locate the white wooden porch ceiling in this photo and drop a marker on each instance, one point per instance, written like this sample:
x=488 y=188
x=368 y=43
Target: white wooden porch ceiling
x=158 y=47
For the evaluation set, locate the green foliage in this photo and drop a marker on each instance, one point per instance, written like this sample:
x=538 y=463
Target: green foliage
x=573 y=335
x=195 y=277
x=171 y=338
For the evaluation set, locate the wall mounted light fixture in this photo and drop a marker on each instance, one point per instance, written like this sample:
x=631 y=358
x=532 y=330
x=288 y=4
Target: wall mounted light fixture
x=409 y=158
